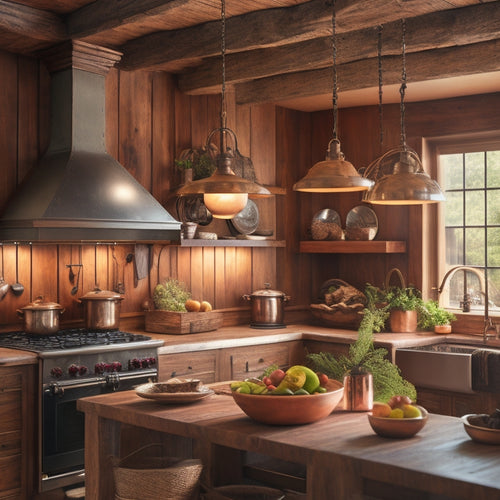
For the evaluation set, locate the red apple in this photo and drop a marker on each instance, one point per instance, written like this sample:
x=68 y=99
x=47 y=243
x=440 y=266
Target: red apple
x=323 y=379
x=277 y=376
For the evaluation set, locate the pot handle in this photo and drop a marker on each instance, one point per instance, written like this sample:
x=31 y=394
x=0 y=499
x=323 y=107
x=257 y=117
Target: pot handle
x=20 y=314
x=62 y=311
x=286 y=298
x=246 y=297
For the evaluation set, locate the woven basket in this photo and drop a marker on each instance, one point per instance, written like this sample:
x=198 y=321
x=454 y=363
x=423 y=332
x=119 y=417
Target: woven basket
x=146 y=475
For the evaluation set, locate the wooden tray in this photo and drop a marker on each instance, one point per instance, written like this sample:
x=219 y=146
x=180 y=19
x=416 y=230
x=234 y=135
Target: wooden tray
x=181 y=323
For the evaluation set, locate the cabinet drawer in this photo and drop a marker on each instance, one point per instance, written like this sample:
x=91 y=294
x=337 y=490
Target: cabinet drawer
x=201 y=365
x=10 y=473
x=10 y=411
x=252 y=361
x=10 y=382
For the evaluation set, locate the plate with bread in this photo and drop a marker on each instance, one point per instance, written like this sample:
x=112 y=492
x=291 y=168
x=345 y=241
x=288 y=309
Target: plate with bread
x=174 y=391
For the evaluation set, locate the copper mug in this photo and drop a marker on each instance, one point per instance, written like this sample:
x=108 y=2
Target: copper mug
x=358 y=390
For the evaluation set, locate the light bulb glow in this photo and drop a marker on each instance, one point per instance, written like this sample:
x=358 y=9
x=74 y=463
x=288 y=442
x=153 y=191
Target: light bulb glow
x=225 y=205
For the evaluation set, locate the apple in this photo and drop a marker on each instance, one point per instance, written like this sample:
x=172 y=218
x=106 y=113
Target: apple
x=277 y=376
x=323 y=379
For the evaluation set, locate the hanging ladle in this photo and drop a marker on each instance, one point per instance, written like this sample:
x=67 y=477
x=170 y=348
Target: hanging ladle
x=74 y=290
x=17 y=288
x=4 y=287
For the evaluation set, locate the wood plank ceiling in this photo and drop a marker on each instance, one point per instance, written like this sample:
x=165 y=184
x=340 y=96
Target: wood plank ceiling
x=279 y=50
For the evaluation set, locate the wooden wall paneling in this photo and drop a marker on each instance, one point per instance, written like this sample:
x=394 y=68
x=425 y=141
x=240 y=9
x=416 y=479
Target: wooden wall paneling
x=209 y=275
x=43 y=109
x=183 y=268
x=230 y=277
x=27 y=145
x=245 y=271
x=68 y=254
x=135 y=290
x=135 y=125
x=264 y=269
x=10 y=302
x=8 y=124
x=44 y=263
x=163 y=137
x=220 y=278
x=182 y=123
x=196 y=278
x=164 y=259
x=200 y=121
x=112 y=90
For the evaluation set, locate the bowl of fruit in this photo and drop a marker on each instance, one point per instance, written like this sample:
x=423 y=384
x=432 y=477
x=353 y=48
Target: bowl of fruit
x=483 y=428
x=292 y=397
x=398 y=418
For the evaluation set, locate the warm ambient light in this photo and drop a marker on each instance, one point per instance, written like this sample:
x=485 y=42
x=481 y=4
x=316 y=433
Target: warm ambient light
x=225 y=205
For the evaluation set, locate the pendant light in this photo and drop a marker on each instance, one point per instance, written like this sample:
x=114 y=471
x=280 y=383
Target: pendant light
x=225 y=194
x=399 y=176
x=334 y=174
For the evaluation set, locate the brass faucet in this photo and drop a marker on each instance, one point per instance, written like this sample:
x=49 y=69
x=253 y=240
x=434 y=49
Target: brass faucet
x=489 y=326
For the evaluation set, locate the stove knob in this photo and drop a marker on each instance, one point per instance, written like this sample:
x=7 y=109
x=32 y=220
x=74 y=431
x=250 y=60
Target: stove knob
x=73 y=370
x=116 y=366
x=56 y=372
x=83 y=370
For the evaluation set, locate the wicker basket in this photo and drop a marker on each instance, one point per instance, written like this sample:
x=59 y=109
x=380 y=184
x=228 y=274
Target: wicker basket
x=146 y=475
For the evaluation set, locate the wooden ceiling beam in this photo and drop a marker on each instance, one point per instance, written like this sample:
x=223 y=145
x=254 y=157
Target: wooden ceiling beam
x=422 y=66
x=31 y=23
x=437 y=30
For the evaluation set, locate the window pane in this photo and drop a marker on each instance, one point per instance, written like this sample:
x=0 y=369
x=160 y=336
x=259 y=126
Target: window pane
x=452 y=168
x=474 y=208
x=454 y=210
x=494 y=287
x=493 y=206
x=458 y=288
x=493 y=159
x=454 y=246
x=494 y=247
x=474 y=246
x=474 y=170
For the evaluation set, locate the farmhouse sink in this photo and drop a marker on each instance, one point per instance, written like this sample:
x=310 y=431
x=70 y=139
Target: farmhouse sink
x=439 y=366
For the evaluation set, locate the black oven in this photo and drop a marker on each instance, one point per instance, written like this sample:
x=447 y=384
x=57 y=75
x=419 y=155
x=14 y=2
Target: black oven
x=62 y=456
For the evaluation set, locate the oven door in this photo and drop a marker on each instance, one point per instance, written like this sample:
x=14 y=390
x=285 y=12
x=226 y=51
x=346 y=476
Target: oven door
x=63 y=425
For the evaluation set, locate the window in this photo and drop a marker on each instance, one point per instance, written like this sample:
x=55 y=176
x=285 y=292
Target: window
x=469 y=224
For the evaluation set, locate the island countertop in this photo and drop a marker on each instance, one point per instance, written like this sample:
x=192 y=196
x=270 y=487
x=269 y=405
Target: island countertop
x=344 y=459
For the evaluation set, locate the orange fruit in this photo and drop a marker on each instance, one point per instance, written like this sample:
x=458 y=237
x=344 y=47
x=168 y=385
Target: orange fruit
x=381 y=409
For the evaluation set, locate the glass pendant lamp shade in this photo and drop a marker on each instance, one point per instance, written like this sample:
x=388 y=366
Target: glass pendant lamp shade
x=334 y=174
x=408 y=184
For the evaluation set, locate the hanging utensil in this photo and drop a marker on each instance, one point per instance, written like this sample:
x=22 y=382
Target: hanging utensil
x=17 y=288
x=71 y=274
x=118 y=286
x=74 y=290
x=4 y=287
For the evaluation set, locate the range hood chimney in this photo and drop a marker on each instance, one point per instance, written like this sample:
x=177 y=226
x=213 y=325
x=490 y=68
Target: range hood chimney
x=78 y=192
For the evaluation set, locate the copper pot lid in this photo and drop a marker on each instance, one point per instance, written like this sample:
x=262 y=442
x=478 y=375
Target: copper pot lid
x=98 y=294
x=40 y=305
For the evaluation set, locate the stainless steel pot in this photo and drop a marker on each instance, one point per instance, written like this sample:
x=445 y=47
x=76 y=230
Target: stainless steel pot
x=101 y=309
x=41 y=318
x=267 y=307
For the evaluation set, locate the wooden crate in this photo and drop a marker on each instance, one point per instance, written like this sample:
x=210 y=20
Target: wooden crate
x=181 y=323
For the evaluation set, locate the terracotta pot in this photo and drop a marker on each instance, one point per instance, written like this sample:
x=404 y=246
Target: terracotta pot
x=403 y=321
x=442 y=329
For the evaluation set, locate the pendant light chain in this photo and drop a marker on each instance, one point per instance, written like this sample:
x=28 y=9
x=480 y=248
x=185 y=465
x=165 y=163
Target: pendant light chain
x=223 y=111
x=403 y=84
x=380 y=84
x=334 y=69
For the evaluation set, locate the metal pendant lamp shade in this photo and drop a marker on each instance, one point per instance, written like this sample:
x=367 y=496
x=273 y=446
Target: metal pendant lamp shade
x=408 y=184
x=335 y=173
x=400 y=178
x=225 y=194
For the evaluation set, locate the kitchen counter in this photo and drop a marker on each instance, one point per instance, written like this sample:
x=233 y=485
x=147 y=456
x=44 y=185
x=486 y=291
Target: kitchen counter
x=14 y=357
x=345 y=460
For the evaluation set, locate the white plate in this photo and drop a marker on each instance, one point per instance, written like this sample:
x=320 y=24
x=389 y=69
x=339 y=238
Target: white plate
x=246 y=221
x=145 y=391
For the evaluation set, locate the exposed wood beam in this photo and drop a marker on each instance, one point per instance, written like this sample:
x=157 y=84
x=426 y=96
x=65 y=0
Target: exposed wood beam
x=437 y=30
x=428 y=65
x=103 y=15
x=32 y=23
x=272 y=27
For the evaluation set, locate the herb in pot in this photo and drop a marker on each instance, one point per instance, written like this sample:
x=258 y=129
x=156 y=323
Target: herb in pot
x=171 y=296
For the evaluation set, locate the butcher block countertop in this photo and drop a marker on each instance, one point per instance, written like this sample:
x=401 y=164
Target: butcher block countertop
x=344 y=458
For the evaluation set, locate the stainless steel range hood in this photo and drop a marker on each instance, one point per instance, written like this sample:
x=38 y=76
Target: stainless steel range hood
x=78 y=192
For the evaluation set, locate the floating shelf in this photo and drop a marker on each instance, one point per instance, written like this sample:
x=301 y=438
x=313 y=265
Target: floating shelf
x=352 y=246
x=232 y=243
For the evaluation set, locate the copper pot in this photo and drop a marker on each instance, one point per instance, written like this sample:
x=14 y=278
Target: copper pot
x=41 y=318
x=267 y=307
x=101 y=309
x=403 y=321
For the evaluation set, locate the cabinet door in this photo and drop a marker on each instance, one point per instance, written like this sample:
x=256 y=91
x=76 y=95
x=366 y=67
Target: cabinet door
x=245 y=362
x=201 y=365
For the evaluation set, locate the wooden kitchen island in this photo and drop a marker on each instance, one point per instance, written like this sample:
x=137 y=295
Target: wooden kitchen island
x=343 y=457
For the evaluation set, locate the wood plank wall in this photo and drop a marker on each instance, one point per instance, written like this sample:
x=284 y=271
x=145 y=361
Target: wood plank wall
x=149 y=122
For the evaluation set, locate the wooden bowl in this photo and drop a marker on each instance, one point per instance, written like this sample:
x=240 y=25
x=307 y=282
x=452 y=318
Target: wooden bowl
x=291 y=410
x=398 y=427
x=478 y=433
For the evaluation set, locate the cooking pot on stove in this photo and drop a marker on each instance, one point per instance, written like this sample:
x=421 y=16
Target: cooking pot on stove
x=101 y=309
x=267 y=307
x=40 y=317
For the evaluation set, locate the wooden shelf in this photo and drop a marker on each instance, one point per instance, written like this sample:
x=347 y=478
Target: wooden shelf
x=352 y=246
x=232 y=243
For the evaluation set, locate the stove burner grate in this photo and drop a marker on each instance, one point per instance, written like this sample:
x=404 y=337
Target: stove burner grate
x=67 y=339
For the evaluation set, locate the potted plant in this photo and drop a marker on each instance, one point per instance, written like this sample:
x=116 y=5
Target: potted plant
x=403 y=304
x=197 y=163
x=433 y=317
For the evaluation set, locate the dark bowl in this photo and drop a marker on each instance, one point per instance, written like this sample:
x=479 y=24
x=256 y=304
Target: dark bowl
x=477 y=432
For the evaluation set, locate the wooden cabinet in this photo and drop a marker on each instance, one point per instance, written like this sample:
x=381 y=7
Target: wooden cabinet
x=202 y=365
x=17 y=431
